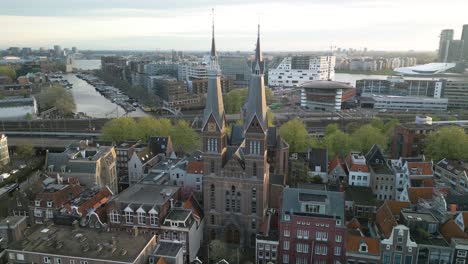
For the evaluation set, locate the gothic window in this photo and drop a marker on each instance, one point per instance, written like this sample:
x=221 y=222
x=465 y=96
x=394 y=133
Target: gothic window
x=212 y=197
x=212 y=166
x=238 y=207
x=254 y=201
x=228 y=202
x=254 y=169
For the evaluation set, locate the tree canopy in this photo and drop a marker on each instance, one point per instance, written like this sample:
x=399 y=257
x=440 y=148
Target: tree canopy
x=235 y=99
x=366 y=136
x=8 y=71
x=56 y=96
x=296 y=135
x=25 y=151
x=447 y=142
x=184 y=138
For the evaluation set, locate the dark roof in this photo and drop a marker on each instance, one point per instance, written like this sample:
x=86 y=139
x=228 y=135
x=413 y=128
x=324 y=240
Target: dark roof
x=326 y=85
x=454 y=167
x=158 y=145
x=361 y=195
x=167 y=249
x=272 y=136
x=375 y=155
x=318 y=157
x=74 y=166
x=237 y=135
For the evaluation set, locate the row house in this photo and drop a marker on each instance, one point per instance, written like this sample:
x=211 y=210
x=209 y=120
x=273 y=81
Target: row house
x=337 y=171
x=358 y=171
x=124 y=151
x=51 y=199
x=312 y=226
x=140 y=163
x=454 y=174
x=382 y=177
x=398 y=247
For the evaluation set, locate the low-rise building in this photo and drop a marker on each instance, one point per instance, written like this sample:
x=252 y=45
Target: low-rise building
x=12 y=229
x=398 y=247
x=358 y=171
x=66 y=244
x=91 y=165
x=337 y=171
x=314 y=214
x=325 y=95
x=361 y=249
x=453 y=174
x=167 y=252
x=124 y=151
x=360 y=202
x=16 y=107
x=460 y=254
x=141 y=161
x=403 y=103
x=382 y=177
x=161 y=145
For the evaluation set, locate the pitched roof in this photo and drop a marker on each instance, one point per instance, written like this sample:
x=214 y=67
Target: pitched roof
x=427 y=193
x=100 y=198
x=195 y=167
x=354 y=242
x=58 y=197
x=465 y=221
x=396 y=206
x=451 y=230
x=385 y=220
x=192 y=204
x=354 y=167
x=354 y=224
x=420 y=168
x=318 y=157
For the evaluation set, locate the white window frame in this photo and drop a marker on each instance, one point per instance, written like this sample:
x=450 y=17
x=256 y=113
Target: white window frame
x=47 y=260
x=153 y=219
x=286 y=245
x=141 y=218
x=37 y=212
x=49 y=214
x=49 y=204
x=129 y=217
x=114 y=217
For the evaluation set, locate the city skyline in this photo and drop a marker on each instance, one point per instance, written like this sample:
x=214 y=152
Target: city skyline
x=299 y=26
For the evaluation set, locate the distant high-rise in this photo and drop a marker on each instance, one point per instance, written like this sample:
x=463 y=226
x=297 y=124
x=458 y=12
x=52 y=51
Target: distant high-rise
x=57 y=50
x=464 y=38
x=455 y=51
x=74 y=49
x=446 y=36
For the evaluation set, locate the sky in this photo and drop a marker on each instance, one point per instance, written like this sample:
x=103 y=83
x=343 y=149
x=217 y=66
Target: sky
x=288 y=25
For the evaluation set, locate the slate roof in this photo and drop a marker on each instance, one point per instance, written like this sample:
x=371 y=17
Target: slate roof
x=237 y=135
x=335 y=202
x=318 y=157
x=374 y=154
x=452 y=166
x=139 y=194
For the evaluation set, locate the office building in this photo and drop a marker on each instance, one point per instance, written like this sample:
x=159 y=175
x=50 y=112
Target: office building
x=403 y=103
x=312 y=226
x=325 y=95
x=464 y=38
x=191 y=70
x=235 y=68
x=446 y=36
x=294 y=71
x=400 y=87
x=455 y=52
x=4 y=153
x=456 y=92
x=236 y=179
x=58 y=51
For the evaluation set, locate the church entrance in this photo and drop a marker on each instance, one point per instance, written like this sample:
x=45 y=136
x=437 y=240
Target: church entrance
x=232 y=235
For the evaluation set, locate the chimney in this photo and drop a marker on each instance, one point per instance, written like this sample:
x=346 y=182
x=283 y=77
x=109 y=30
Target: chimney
x=172 y=203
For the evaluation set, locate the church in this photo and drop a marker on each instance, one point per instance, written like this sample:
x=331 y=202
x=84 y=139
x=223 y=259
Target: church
x=239 y=166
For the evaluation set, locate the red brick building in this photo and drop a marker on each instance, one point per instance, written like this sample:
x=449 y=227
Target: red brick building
x=312 y=226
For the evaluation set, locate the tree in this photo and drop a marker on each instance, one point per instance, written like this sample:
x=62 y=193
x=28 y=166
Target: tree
x=377 y=123
x=119 y=129
x=149 y=126
x=8 y=71
x=271 y=118
x=218 y=251
x=296 y=135
x=331 y=128
x=25 y=151
x=366 y=136
x=448 y=142
x=351 y=127
x=56 y=96
x=184 y=137
x=316 y=179
x=235 y=99
x=338 y=144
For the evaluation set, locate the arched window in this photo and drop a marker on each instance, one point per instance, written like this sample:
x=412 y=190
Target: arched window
x=254 y=169
x=212 y=167
x=212 y=197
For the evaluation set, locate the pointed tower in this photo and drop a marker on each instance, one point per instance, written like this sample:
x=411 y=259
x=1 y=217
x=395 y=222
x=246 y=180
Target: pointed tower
x=214 y=117
x=256 y=101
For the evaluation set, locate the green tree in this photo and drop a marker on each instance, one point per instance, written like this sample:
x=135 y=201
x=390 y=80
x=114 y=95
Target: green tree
x=271 y=118
x=377 y=123
x=447 y=142
x=351 y=127
x=8 y=71
x=366 y=136
x=331 y=128
x=338 y=144
x=119 y=129
x=56 y=96
x=184 y=137
x=235 y=99
x=149 y=126
x=25 y=151
x=218 y=251
x=296 y=135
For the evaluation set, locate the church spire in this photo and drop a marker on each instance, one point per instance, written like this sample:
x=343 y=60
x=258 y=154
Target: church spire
x=256 y=99
x=257 y=65
x=214 y=97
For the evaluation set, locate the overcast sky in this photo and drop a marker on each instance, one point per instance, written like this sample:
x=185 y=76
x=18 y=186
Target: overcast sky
x=185 y=24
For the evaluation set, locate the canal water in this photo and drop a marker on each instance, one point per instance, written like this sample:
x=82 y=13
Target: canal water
x=89 y=101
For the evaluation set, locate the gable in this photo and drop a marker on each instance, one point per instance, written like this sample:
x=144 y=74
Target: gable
x=255 y=126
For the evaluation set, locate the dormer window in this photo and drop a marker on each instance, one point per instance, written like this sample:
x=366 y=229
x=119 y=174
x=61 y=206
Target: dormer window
x=37 y=202
x=363 y=247
x=49 y=203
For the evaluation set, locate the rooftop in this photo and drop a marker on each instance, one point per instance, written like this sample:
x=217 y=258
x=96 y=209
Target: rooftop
x=12 y=220
x=326 y=85
x=147 y=194
x=178 y=214
x=167 y=249
x=361 y=195
x=415 y=216
x=82 y=243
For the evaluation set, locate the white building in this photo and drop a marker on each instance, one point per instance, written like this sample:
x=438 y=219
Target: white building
x=402 y=103
x=4 y=154
x=188 y=172
x=295 y=70
x=359 y=173
x=140 y=164
x=18 y=107
x=192 y=70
